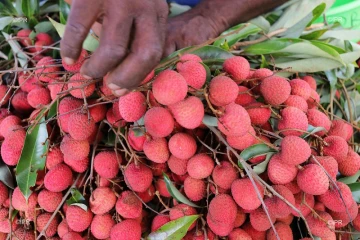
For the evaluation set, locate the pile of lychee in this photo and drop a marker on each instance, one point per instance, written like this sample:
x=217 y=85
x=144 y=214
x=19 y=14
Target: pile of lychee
x=158 y=129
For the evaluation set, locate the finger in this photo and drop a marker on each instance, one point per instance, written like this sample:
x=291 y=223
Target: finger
x=146 y=51
x=114 y=40
x=170 y=47
x=82 y=16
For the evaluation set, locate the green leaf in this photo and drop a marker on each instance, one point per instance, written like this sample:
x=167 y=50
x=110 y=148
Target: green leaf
x=6 y=176
x=238 y=35
x=7 y=8
x=262 y=23
x=90 y=43
x=52 y=111
x=48 y=7
x=174 y=230
x=270 y=46
x=138 y=131
x=255 y=150
x=4 y=21
x=355 y=190
x=261 y=167
x=110 y=139
x=30 y=8
x=312 y=130
x=350 y=179
x=16 y=50
x=45 y=27
x=331 y=77
x=77 y=199
x=64 y=8
x=210 y=121
x=175 y=193
x=212 y=52
x=208 y=72
x=32 y=158
x=342 y=34
x=316 y=34
x=345 y=72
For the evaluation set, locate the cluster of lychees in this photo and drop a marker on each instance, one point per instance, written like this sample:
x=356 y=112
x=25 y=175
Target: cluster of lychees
x=164 y=133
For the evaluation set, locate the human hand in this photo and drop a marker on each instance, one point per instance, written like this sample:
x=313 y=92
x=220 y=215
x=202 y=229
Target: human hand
x=131 y=41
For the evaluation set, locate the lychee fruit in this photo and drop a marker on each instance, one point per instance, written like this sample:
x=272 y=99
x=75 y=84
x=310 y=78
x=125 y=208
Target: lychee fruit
x=300 y=88
x=58 y=178
x=345 y=217
x=303 y=202
x=132 y=106
x=238 y=233
x=337 y=198
x=38 y=97
x=4 y=96
x=81 y=126
x=159 y=122
x=158 y=168
x=54 y=157
x=329 y=164
x=244 y=96
x=260 y=221
x=319 y=119
x=280 y=172
x=342 y=129
x=311 y=81
x=238 y=67
x=136 y=142
x=23 y=36
x=275 y=90
x=159 y=221
x=20 y=103
x=4 y=193
x=7 y=123
x=200 y=166
x=259 y=113
x=222 y=91
x=97 y=112
x=67 y=106
x=224 y=175
x=45 y=72
x=156 y=150
x=138 y=177
x=189 y=113
x=57 y=89
x=77 y=65
x=148 y=195
x=101 y=226
x=294 y=150
x=336 y=147
x=318 y=224
x=11 y=147
x=49 y=201
x=244 y=187
x=282 y=209
x=298 y=102
x=314 y=99
x=349 y=165
x=20 y=203
x=75 y=149
x=194 y=73
x=240 y=217
x=177 y=165
x=169 y=87
x=235 y=121
x=102 y=200
x=283 y=231
x=41 y=222
x=72 y=236
x=77 y=218
x=80 y=87
x=128 y=205
x=129 y=229
x=293 y=122
x=182 y=145
x=187 y=57
x=182 y=210
x=160 y=186
x=195 y=189
x=313 y=180
x=148 y=77
x=106 y=164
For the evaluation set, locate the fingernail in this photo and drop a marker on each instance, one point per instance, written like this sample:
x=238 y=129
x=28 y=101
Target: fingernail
x=69 y=61
x=113 y=86
x=86 y=76
x=121 y=92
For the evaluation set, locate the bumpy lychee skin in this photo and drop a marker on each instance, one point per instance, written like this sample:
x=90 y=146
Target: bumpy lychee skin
x=284 y=232
x=302 y=201
x=77 y=218
x=177 y=165
x=242 y=142
x=81 y=86
x=318 y=224
x=67 y=106
x=169 y=87
x=138 y=177
x=336 y=147
x=159 y=221
x=344 y=217
x=23 y=36
x=311 y=81
x=298 y=102
x=294 y=119
x=160 y=186
x=187 y=57
x=238 y=233
x=12 y=146
x=255 y=234
x=182 y=145
x=319 y=119
x=20 y=233
x=195 y=189
x=332 y=199
x=58 y=178
x=189 y=113
x=4 y=193
x=106 y=164
x=281 y=208
x=102 y=200
x=313 y=180
x=77 y=65
x=54 y=157
x=132 y=106
x=275 y=90
x=156 y=150
x=136 y=142
x=148 y=195
x=7 y=123
x=294 y=150
x=20 y=103
x=243 y=187
x=280 y=172
x=259 y=113
x=159 y=122
x=301 y=88
x=330 y=165
x=41 y=222
x=341 y=128
x=237 y=67
x=128 y=229
x=349 y=165
x=158 y=168
x=72 y=236
x=97 y=112
x=75 y=149
x=182 y=210
x=45 y=73
x=101 y=226
x=38 y=97
x=235 y=121
x=314 y=99
x=19 y=202
x=49 y=201
x=200 y=166
x=222 y=91
x=356 y=222
x=80 y=126
x=260 y=221
x=128 y=205
x=4 y=97
x=194 y=74
x=244 y=97
x=224 y=175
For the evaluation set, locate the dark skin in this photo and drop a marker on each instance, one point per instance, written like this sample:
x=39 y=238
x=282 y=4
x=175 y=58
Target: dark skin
x=135 y=34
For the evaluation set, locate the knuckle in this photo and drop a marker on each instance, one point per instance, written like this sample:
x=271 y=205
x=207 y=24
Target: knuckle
x=152 y=54
x=113 y=51
x=76 y=30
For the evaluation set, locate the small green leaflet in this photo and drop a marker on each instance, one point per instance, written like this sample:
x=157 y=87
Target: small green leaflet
x=175 y=193
x=5 y=175
x=243 y=33
x=210 y=121
x=77 y=199
x=32 y=158
x=355 y=190
x=312 y=130
x=174 y=230
x=16 y=50
x=350 y=179
x=261 y=167
x=254 y=151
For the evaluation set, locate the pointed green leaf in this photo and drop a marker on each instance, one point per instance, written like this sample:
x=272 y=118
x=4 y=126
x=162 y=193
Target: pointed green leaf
x=238 y=35
x=77 y=199
x=350 y=179
x=208 y=72
x=7 y=8
x=314 y=34
x=255 y=150
x=262 y=23
x=174 y=230
x=261 y=167
x=4 y=21
x=30 y=8
x=210 y=121
x=32 y=158
x=53 y=111
x=355 y=190
x=6 y=176
x=45 y=27
x=312 y=130
x=16 y=50
x=175 y=193
x=64 y=8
